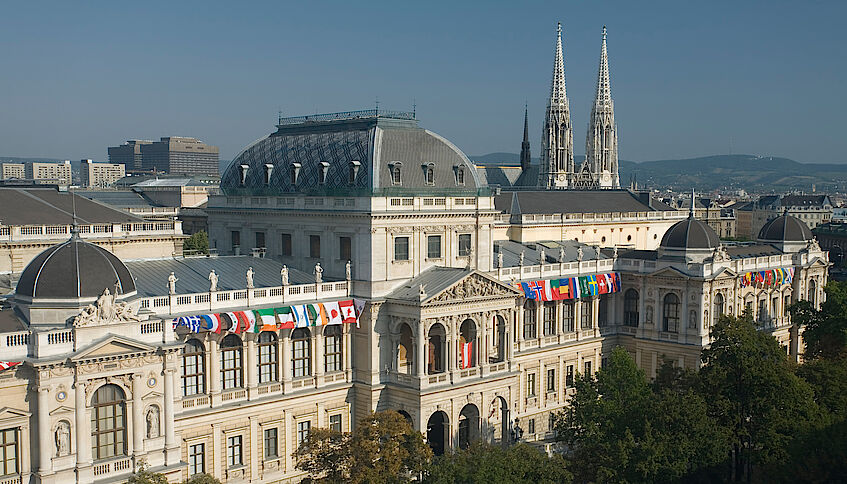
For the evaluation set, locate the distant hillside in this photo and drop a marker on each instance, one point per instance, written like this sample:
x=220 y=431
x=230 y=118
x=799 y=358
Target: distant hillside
x=720 y=171
x=18 y=159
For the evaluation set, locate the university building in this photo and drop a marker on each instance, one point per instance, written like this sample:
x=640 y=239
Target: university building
x=384 y=273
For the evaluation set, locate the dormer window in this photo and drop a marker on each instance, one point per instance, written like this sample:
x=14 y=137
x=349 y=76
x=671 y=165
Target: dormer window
x=268 y=170
x=293 y=173
x=244 y=169
x=323 y=167
x=429 y=173
x=395 y=172
x=352 y=171
x=460 y=175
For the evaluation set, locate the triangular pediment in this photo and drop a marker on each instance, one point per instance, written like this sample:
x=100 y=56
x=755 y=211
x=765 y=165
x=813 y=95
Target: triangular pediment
x=111 y=346
x=670 y=271
x=13 y=413
x=474 y=285
x=61 y=410
x=152 y=396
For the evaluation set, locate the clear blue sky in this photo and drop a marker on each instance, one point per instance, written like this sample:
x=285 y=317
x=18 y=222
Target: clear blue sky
x=687 y=77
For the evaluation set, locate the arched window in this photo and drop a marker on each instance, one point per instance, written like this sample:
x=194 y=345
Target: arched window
x=630 y=308
x=231 y=366
x=267 y=349
x=332 y=349
x=301 y=354
x=670 y=313
x=293 y=171
x=269 y=169
x=529 y=325
x=193 y=368
x=467 y=344
x=395 y=173
x=430 y=174
x=813 y=287
x=108 y=422
x=435 y=349
x=405 y=351
x=353 y=171
x=323 y=167
x=719 y=310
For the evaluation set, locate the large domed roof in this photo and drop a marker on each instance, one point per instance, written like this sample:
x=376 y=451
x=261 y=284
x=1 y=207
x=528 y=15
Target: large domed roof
x=785 y=228
x=74 y=269
x=690 y=234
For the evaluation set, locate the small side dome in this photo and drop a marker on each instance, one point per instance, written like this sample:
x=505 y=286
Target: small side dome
x=690 y=234
x=785 y=228
x=73 y=270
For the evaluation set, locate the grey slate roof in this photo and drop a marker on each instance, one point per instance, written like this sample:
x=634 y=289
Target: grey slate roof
x=578 y=201
x=74 y=269
x=375 y=142
x=151 y=276
x=690 y=233
x=502 y=176
x=117 y=198
x=532 y=252
x=48 y=206
x=785 y=228
x=751 y=250
x=434 y=279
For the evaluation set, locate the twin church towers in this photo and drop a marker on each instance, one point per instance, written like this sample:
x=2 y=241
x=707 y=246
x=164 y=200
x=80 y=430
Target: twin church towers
x=600 y=168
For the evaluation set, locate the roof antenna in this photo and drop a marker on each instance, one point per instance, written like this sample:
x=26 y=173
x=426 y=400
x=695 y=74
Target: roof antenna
x=691 y=210
x=414 y=108
x=377 y=106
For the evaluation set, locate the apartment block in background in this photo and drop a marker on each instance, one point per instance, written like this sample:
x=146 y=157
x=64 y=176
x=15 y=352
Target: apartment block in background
x=13 y=170
x=49 y=173
x=99 y=174
x=180 y=156
x=128 y=154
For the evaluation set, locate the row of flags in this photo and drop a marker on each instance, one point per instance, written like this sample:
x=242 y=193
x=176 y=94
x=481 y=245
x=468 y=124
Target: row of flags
x=5 y=365
x=772 y=277
x=272 y=319
x=572 y=287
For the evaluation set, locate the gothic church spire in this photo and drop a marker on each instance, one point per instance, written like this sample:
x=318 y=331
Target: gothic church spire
x=557 y=139
x=601 y=143
x=526 y=157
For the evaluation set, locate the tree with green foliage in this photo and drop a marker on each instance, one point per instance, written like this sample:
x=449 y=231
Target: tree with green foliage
x=483 y=462
x=143 y=475
x=202 y=479
x=755 y=399
x=618 y=429
x=824 y=330
x=383 y=448
x=197 y=243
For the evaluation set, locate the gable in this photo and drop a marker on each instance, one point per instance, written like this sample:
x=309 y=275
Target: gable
x=9 y=414
x=474 y=286
x=113 y=345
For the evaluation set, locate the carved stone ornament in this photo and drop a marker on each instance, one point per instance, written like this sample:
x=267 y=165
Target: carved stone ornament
x=63 y=438
x=720 y=254
x=472 y=286
x=105 y=311
x=813 y=245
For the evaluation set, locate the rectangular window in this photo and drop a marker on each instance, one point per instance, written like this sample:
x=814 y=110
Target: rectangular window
x=332 y=348
x=260 y=240
x=236 y=239
x=285 y=245
x=433 y=247
x=9 y=454
x=530 y=426
x=464 y=245
x=271 y=447
x=315 y=246
x=549 y=318
x=233 y=451
x=530 y=385
x=585 y=308
x=345 y=248
x=401 y=248
x=567 y=317
x=196 y=459
x=551 y=380
x=786 y=302
x=587 y=367
x=335 y=422
x=301 y=358
x=569 y=376
x=303 y=431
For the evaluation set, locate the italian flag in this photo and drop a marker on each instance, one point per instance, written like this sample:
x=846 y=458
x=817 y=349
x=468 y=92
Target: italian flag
x=266 y=319
x=286 y=317
x=318 y=313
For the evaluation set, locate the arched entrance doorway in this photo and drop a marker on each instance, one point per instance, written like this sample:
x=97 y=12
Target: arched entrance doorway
x=437 y=431
x=408 y=417
x=499 y=417
x=468 y=425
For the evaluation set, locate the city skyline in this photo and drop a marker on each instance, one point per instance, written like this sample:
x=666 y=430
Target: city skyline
x=97 y=75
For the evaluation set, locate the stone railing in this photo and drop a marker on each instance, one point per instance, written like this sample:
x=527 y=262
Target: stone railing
x=550 y=271
x=27 y=233
x=581 y=218
x=749 y=264
x=243 y=298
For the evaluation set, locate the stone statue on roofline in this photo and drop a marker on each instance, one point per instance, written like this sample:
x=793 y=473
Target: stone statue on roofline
x=319 y=273
x=172 y=283
x=250 y=277
x=348 y=271
x=283 y=273
x=213 y=281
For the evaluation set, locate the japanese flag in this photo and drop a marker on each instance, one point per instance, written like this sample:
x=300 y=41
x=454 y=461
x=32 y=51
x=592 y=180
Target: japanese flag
x=333 y=312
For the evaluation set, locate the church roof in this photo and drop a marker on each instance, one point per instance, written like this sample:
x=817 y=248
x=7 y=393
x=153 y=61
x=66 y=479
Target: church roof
x=336 y=142
x=74 y=269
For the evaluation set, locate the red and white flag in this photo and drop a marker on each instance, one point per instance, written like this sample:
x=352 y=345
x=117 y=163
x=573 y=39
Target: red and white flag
x=333 y=312
x=5 y=365
x=348 y=311
x=235 y=323
x=467 y=351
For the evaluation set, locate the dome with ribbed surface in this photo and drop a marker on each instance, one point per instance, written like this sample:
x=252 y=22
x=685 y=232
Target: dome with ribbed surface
x=785 y=228
x=72 y=270
x=690 y=234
